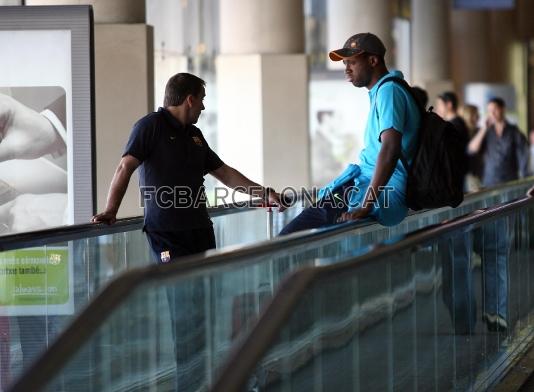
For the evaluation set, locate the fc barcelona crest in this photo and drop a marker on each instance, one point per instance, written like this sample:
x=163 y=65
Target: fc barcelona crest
x=165 y=256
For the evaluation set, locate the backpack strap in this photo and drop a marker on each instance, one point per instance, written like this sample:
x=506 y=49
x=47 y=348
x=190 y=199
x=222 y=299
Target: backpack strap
x=406 y=87
x=403 y=83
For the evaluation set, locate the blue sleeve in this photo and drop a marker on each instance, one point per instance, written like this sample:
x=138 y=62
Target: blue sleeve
x=391 y=108
x=141 y=141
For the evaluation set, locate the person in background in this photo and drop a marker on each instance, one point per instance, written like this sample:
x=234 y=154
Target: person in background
x=421 y=95
x=447 y=108
x=503 y=146
x=471 y=116
x=505 y=154
x=531 y=155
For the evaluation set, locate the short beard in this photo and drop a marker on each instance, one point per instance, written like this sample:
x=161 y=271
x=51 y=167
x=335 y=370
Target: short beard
x=363 y=82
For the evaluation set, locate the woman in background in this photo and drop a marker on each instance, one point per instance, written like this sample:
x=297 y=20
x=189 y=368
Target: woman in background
x=476 y=162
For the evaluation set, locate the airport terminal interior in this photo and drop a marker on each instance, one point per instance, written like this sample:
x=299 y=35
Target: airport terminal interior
x=440 y=300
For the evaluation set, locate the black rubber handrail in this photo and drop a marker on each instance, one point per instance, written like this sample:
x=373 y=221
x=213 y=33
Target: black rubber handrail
x=244 y=358
x=85 y=230
x=101 y=307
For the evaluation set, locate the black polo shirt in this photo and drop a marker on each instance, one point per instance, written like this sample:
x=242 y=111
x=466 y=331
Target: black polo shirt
x=174 y=160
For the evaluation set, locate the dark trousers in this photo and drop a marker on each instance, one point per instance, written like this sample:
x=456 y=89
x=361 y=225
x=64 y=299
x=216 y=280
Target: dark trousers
x=313 y=218
x=187 y=305
x=181 y=243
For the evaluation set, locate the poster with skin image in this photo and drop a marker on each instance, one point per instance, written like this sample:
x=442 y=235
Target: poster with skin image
x=35 y=120
x=46 y=148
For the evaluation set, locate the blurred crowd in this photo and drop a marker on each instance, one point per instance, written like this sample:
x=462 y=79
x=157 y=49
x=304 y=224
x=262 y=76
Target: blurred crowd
x=497 y=151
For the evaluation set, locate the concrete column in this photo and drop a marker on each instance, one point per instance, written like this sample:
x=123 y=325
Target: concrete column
x=259 y=26
x=106 y=11
x=348 y=17
x=525 y=10
x=124 y=92
x=430 y=42
x=262 y=88
x=124 y=85
x=169 y=19
x=503 y=35
x=470 y=47
x=508 y=59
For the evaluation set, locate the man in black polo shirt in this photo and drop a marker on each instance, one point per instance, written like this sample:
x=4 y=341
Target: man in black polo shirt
x=173 y=157
x=447 y=108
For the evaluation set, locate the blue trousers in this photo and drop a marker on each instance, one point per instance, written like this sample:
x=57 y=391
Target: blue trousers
x=491 y=242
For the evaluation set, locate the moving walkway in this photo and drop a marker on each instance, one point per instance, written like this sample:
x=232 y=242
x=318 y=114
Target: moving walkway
x=122 y=340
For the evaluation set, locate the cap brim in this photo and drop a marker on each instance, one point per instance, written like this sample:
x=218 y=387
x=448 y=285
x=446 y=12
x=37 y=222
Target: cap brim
x=342 y=54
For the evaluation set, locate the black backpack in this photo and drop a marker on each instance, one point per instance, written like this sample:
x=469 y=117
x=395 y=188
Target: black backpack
x=436 y=175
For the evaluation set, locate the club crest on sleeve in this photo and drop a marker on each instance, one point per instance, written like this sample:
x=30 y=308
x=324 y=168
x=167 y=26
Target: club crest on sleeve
x=197 y=140
x=165 y=256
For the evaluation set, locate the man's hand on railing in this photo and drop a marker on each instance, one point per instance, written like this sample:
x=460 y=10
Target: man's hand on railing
x=105 y=217
x=274 y=198
x=359 y=213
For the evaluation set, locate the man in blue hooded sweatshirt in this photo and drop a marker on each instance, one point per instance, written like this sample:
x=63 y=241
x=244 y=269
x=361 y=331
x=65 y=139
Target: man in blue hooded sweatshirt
x=376 y=188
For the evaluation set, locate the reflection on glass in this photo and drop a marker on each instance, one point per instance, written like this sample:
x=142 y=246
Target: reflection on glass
x=233 y=298
x=390 y=312
x=410 y=321
x=43 y=288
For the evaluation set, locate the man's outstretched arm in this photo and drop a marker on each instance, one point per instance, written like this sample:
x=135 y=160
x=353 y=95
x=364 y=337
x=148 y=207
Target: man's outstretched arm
x=117 y=189
x=233 y=178
x=388 y=157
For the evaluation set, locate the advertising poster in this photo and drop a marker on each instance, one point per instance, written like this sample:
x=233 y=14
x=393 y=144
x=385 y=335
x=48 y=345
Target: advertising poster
x=35 y=280
x=338 y=115
x=35 y=124
x=46 y=147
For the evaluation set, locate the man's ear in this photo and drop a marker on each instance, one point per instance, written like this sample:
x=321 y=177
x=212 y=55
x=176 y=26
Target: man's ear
x=189 y=100
x=373 y=60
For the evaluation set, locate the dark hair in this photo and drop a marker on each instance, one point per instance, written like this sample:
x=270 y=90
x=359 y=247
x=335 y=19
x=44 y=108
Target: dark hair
x=180 y=86
x=497 y=101
x=421 y=96
x=449 y=96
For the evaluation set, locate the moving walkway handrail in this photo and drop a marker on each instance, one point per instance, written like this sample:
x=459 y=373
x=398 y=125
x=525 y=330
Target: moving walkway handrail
x=101 y=307
x=73 y=232
x=245 y=357
x=83 y=230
